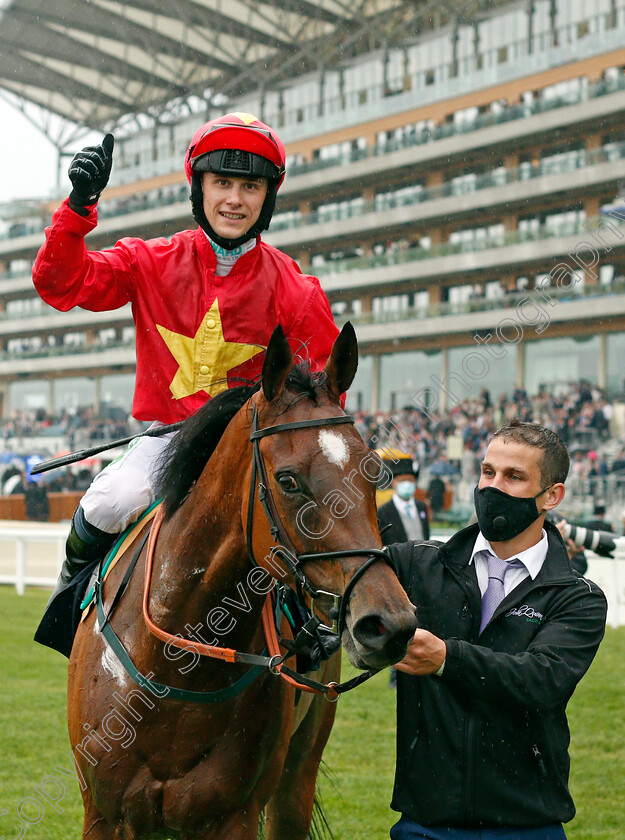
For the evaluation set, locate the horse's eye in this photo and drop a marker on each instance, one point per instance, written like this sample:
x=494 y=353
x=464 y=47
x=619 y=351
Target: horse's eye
x=288 y=483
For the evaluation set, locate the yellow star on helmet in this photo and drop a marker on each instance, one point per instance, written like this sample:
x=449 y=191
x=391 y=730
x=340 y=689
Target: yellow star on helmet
x=206 y=358
x=248 y=119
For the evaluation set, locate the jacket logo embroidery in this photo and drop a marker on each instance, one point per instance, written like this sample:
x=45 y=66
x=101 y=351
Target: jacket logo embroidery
x=530 y=614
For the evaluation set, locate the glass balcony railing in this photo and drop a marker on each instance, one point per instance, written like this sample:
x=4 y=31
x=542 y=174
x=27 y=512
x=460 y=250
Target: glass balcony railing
x=65 y=350
x=508 y=113
x=179 y=193
x=558 y=164
x=145 y=201
x=20 y=229
x=514 y=237
x=413 y=254
x=474 y=305
x=483 y=304
x=42 y=310
x=16 y=273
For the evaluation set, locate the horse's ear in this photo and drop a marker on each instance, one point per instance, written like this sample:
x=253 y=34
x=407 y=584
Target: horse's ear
x=343 y=362
x=277 y=365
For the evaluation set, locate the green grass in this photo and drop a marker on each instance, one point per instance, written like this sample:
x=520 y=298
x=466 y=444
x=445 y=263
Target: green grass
x=360 y=755
x=33 y=729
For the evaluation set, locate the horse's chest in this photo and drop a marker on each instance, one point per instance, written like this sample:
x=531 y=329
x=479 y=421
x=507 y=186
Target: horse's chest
x=202 y=762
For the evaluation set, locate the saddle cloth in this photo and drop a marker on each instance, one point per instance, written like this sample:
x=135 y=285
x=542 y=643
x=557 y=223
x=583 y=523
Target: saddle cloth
x=70 y=605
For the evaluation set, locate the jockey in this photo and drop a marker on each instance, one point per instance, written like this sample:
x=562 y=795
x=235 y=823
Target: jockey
x=204 y=302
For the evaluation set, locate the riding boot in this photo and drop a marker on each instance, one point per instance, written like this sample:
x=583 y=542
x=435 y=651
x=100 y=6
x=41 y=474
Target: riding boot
x=85 y=545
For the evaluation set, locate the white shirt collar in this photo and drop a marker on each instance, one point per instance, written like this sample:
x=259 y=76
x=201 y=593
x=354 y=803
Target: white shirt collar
x=532 y=558
x=403 y=504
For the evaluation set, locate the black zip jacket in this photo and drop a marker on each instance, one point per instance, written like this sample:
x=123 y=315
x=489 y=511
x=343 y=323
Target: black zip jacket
x=486 y=743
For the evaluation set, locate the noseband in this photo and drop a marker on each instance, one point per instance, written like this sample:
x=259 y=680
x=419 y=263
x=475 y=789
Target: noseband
x=292 y=559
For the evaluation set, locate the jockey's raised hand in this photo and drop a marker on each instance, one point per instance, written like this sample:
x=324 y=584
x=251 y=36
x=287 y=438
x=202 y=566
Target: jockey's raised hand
x=89 y=173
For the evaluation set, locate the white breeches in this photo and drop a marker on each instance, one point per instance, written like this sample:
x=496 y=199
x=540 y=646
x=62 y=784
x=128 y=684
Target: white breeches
x=124 y=489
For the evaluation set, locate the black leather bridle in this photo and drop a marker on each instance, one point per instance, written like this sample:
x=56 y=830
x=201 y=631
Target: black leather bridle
x=285 y=549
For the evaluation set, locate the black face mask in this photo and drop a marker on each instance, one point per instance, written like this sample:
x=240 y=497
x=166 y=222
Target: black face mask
x=502 y=517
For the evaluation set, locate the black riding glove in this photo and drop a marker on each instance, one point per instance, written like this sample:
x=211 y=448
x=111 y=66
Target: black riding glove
x=89 y=173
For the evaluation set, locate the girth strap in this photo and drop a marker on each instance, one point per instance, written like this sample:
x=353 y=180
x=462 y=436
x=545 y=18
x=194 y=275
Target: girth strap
x=127 y=575
x=168 y=692
x=159 y=689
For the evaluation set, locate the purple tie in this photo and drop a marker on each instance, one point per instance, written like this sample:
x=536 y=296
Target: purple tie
x=495 y=592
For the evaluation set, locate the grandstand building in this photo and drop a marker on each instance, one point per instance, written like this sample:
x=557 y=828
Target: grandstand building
x=456 y=189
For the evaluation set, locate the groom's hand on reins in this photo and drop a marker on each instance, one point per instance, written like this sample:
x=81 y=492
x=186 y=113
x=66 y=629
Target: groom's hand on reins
x=89 y=173
x=425 y=655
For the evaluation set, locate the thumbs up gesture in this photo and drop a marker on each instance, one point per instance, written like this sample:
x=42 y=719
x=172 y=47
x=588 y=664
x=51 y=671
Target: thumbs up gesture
x=89 y=173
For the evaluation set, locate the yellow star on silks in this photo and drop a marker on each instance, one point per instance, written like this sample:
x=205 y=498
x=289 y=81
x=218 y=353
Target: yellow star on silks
x=206 y=358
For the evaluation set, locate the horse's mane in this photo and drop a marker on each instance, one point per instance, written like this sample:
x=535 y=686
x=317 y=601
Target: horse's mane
x=183 y=459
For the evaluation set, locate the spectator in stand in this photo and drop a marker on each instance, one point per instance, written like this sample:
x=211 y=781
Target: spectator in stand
x=600 y=421
x=598 y=467
x=469 y=471
x=580 y=467
x=596 y=474
x=37 y=504
x=584 y=393
x=436 y=494
x=404 y=517
x=485 y=398
x=443 y=466
x=618 y=464
x=599 y=523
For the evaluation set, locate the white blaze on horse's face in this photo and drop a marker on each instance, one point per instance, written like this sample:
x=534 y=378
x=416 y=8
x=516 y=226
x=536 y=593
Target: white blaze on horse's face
x=334 y=447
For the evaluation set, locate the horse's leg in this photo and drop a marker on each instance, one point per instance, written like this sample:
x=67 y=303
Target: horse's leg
x=94 y=826
x=82 y=696
x=236 y=826
x=290 y=809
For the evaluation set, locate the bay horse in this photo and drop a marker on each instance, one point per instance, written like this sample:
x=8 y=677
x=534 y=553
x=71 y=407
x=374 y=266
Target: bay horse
x=153 y=759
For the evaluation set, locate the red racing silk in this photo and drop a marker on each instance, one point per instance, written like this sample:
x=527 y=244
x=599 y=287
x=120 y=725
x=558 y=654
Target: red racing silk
x=196 y=333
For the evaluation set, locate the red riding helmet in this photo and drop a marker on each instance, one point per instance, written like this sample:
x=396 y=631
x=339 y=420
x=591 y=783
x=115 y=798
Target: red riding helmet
x=208 y=151
x=238 y=145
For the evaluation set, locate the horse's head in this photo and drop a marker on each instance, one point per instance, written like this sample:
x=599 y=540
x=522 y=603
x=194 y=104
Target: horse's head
x=317 y=484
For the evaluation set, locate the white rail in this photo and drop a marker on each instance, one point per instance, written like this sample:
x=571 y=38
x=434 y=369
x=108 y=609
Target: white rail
x=31 y=554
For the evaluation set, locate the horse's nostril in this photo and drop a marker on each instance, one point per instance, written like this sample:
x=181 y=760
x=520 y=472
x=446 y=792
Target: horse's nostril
x=384 y=634
x=371 y=631
x=380 y=627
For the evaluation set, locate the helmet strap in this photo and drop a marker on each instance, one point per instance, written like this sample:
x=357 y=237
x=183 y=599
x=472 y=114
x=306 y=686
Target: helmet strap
x=197 y=208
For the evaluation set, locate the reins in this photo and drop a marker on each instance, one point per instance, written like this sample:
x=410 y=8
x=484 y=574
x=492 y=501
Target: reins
x=272 y=658
x=274 y=662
